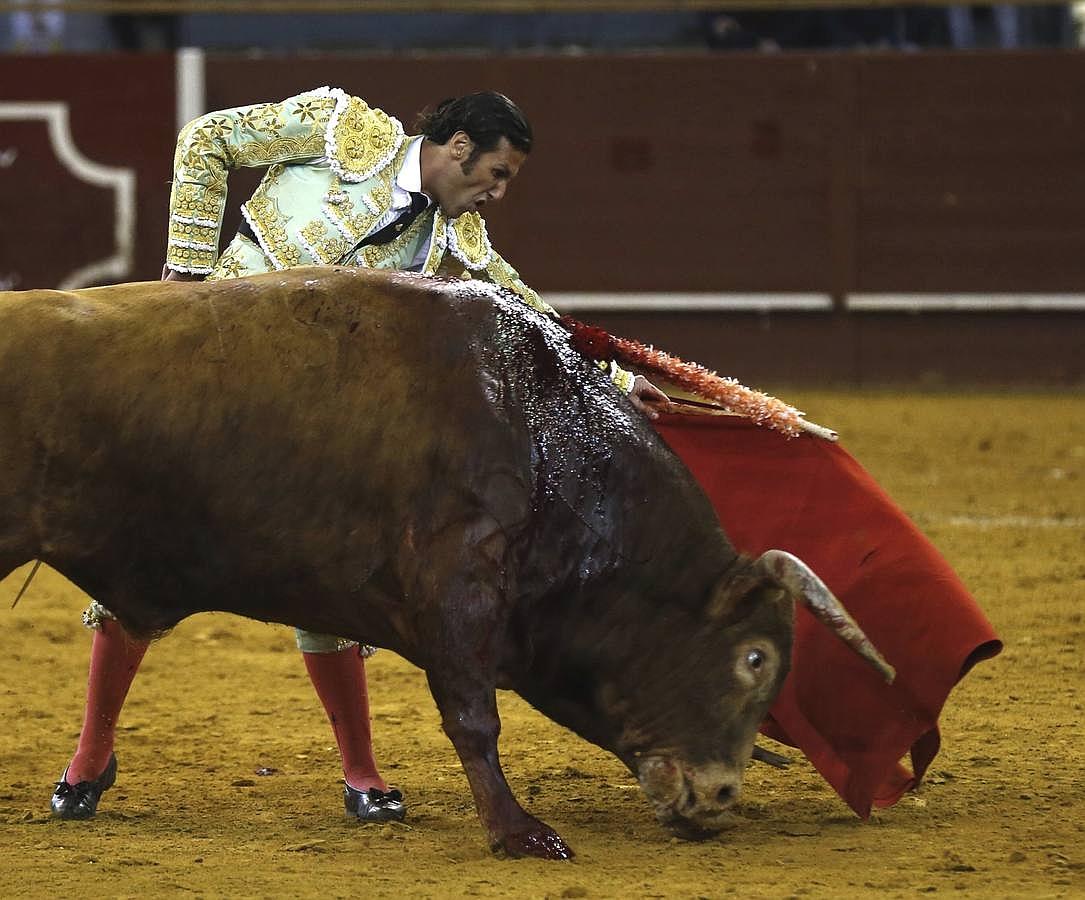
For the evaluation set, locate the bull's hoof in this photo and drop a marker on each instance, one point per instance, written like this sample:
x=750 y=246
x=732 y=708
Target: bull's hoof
x=541 y=842
x=80 y=801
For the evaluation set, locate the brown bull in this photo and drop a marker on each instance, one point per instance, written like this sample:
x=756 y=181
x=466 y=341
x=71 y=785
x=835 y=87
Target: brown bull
x=425 y=466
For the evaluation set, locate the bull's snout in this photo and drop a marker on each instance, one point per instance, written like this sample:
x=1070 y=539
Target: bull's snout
x=692 y=800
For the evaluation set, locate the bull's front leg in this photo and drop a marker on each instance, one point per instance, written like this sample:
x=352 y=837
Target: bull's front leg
x=469 y=717
x=457 y=581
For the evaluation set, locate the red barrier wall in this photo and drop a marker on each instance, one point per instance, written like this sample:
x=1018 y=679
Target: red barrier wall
x=54 y=220
x=836 y=174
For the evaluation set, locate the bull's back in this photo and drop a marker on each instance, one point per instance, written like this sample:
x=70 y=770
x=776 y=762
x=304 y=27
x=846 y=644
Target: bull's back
x=364 y=375
x=251 y=445
x=219 y=425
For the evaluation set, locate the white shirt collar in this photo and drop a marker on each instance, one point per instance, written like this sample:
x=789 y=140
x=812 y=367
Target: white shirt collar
x=409 y=178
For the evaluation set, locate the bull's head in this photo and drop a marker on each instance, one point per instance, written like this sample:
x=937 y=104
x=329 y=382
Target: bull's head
x=685 y=715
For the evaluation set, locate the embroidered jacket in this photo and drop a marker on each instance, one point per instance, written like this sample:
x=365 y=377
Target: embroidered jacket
x=332 y=161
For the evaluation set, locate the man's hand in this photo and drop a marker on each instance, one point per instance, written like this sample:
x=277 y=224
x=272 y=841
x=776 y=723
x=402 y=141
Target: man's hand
x=169 y=274
x=649 y=399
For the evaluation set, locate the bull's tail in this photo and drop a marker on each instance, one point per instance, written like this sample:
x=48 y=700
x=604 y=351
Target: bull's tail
x=26 y=583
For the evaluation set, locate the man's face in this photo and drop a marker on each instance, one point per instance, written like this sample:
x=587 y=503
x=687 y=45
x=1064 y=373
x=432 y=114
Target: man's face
x=473 y=179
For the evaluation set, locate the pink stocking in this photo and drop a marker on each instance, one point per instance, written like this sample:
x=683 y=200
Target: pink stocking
x=114 y=660
x=339 y=679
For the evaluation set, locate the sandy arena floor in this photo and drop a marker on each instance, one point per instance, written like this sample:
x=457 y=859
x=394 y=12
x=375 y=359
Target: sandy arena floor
x=996 y=481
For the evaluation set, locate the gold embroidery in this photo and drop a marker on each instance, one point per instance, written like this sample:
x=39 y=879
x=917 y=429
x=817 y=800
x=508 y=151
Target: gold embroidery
x=189 y=259
x=192 y=245
x=182 y=143
x=504 y=275
x=450 y=267
x=268 y=223
x=355 y=224
x=202 y=140
x=313 y=109
x=362 y=144
x=324 y=247
x=381 y=196
x=263 y=119
x=335 y=193
x=390 y=255
x=229 y=265
x=197 y=201
x=350 y=224
x=212 y=128
x=363 y=139
x=468 y=242
x=260 y=153
x=95 y=614
x=187 y=233
x=377 y=200
x=438 y=244
x=208 y=139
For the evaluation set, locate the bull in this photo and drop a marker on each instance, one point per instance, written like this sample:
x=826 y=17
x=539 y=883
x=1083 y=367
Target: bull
x=418 y=464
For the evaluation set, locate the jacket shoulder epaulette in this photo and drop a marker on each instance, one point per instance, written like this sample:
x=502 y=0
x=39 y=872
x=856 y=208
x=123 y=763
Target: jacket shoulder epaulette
x=360 y=140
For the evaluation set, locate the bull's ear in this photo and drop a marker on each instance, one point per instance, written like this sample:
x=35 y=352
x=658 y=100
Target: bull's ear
x=737 y=595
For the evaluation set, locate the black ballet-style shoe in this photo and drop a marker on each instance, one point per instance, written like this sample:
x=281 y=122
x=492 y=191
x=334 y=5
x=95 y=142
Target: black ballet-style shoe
x=80 y=801
x=374 y=805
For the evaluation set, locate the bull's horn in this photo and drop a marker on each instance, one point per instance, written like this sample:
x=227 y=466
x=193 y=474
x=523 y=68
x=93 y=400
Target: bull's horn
x=767 y=756
x=816 y=596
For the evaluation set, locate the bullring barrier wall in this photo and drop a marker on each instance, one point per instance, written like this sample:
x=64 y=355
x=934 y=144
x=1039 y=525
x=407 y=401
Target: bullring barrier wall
x=835 y=218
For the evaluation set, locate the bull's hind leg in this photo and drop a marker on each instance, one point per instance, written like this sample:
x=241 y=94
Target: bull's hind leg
x=21 y=462
x=461 y=582
x=19 y=543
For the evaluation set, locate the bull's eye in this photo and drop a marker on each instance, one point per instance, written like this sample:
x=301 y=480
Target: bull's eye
x=755 y=664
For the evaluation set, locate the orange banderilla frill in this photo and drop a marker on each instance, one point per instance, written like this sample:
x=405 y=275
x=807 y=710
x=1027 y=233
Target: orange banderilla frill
x=722 y=393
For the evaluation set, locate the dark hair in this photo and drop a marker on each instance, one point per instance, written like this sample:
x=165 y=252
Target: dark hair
x=486 y=117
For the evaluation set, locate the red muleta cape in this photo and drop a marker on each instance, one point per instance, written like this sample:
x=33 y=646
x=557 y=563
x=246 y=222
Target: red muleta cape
x=810 y=497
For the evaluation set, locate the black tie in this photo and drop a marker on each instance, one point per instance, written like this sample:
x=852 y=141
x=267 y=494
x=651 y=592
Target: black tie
x=398 y=225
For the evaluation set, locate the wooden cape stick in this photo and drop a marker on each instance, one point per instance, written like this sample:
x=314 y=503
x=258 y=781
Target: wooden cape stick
x=809 y=427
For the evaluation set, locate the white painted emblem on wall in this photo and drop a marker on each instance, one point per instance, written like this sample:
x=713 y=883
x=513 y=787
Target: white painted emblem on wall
x=122 y=182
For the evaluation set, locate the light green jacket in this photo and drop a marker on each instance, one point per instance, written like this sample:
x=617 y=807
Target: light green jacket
x=332 y=161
